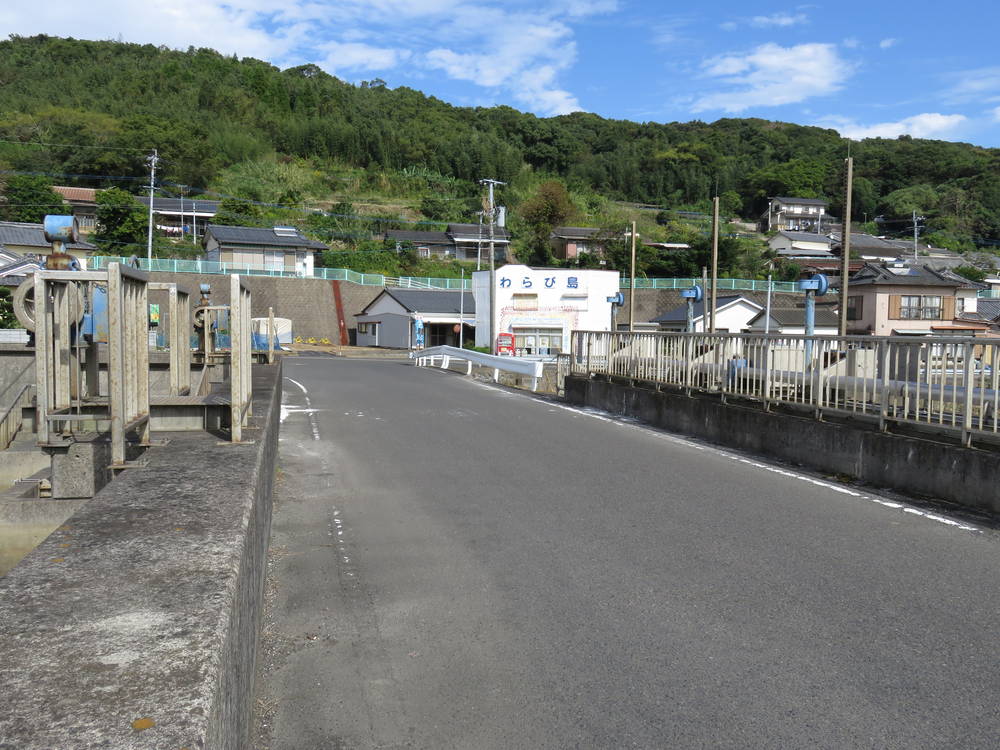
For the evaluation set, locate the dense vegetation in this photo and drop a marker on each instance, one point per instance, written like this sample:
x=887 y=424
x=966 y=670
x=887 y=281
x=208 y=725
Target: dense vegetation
x=303 y=139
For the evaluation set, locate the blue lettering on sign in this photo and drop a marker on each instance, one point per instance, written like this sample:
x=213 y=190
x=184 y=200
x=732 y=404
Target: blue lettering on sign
x=526 y=282
x=504 y=282
x=572 y=282
x=550 y=281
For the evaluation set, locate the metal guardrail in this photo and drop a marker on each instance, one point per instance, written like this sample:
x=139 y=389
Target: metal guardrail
x=172 y=265
x=10 y=420
x=950 y=384
x=427 y=357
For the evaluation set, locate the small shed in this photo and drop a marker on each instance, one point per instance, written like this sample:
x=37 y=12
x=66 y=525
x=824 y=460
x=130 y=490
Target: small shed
x=417 y=318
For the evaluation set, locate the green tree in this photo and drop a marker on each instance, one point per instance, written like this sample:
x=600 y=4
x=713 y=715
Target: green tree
x=29 y=199
x=970 y=272
x=236 y=212
x=730 y=204
x=122 y=224
x=7 y=317
x=549 y=207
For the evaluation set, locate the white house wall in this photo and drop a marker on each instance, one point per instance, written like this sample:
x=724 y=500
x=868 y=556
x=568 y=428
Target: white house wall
x=569 y=300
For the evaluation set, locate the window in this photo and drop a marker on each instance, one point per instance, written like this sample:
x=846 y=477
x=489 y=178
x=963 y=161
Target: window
x=538 y=340
x=917 y=307
x=363 y=328
x=525 y=301
x=855 y=308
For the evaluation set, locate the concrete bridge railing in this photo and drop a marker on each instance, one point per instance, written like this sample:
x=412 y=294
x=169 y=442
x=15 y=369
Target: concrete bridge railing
x=950 y=385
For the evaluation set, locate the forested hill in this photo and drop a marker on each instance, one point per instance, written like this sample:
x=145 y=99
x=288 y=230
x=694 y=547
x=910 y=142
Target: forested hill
x=205 y=111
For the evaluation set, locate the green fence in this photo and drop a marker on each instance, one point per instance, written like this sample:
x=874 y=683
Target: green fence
x=173 y=265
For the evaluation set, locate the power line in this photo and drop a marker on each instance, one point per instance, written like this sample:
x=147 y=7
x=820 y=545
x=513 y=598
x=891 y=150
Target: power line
x=72 y=145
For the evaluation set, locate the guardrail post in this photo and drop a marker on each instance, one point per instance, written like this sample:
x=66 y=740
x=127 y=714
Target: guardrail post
x=969 y=387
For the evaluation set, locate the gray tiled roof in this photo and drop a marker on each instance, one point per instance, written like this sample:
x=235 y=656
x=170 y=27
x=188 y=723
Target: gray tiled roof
x=679 y=314
x=418 y=237
x=575 y=233
x=988 y=309
x=879 y=274
x=431 y=300
x=472 y=230
x=861 y=242
x=176 y=205
x=803 y=201
x=806 y=237
x=796 y=316
x=32 y=235
x=260 y=237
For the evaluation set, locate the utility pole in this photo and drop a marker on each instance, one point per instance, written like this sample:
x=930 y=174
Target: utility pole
x=914 y=236
x=154 y=158
x=715 y=261
x=845 y=247
x=631 y=293
x=461 y=314
x=493 y=271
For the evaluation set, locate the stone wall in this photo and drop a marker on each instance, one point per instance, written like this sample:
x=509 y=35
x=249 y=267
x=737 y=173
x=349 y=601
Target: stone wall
x=920 y=467
x=134 y=625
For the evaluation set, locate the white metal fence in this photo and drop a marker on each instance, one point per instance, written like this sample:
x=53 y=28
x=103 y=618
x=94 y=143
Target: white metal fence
x=951 y=384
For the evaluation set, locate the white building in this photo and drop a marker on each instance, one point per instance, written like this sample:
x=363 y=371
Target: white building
x=541 y=306
x=733 y=314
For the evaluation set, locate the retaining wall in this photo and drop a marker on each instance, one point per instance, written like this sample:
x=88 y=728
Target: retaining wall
x=134 y=624
x=965 y=476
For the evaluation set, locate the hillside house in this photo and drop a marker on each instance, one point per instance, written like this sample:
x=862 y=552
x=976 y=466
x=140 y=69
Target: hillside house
x=799 y=245
x=83 y=201
x=569 y=243
x=794 y=214
x=177 y=216
x=283 y=249
x=459 y=241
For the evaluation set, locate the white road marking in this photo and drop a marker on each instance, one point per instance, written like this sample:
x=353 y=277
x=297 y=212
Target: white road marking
x=309 y=411
x=634 y=424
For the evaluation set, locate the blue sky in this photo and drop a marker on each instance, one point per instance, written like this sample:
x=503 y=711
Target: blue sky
x=865 y=69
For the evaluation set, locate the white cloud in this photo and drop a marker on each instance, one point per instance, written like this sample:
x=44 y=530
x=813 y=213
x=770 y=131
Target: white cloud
x=772 y=75
x=887 y=43
x=925 y=125
x=996 y=114
x=357 y=56
x=851 y=42
x=981 y=84
x=780 y=20
x=515 y=48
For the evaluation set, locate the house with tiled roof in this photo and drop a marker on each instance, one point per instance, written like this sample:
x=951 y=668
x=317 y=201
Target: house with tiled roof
x=458 y=241
x=279 y=249
x=895 y=299
x=27 y=239
x=83 y=200
x=733 y=314
x=795 y=214
x=417 y=318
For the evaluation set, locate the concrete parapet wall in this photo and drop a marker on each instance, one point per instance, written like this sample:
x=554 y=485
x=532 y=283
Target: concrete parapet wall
x=134 y=624
x=965 y=476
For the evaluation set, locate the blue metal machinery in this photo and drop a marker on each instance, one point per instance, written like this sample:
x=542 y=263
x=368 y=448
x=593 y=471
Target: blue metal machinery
x=815 y=286
x=692 y=295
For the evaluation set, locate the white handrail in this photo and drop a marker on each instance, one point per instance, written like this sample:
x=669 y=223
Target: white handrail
x=531 y=368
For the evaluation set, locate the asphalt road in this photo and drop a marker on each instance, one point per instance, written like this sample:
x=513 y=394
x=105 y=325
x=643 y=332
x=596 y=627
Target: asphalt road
x=455 y=565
